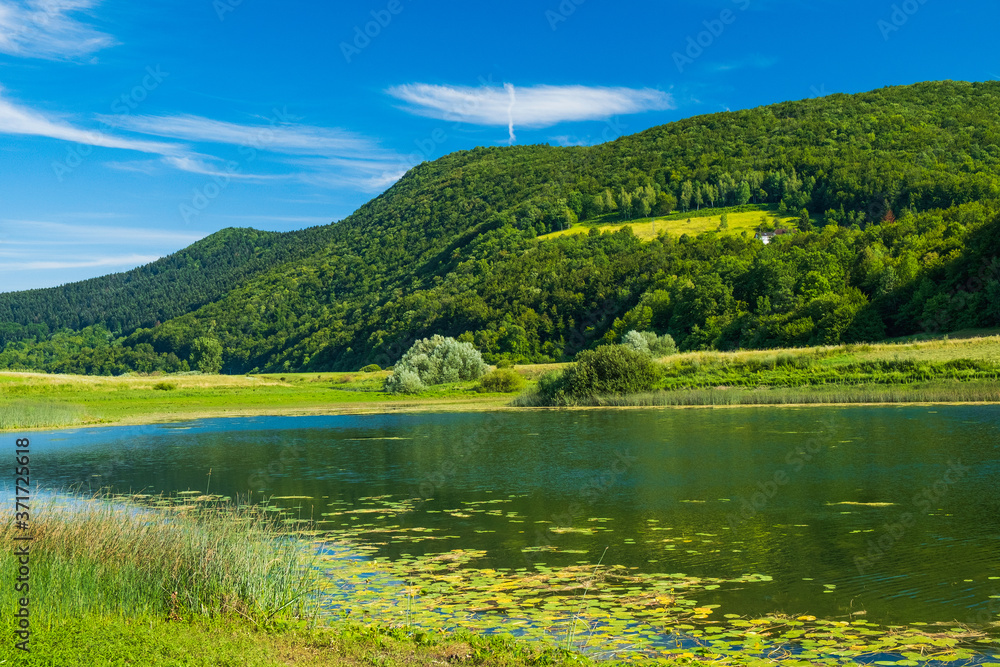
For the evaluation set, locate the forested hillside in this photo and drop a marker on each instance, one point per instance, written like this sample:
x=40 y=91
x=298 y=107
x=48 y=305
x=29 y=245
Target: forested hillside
x=901 y=184
x=156 y=292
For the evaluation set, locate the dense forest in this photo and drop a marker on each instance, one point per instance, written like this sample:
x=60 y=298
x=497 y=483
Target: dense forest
x=899 y=191
x=154 y=293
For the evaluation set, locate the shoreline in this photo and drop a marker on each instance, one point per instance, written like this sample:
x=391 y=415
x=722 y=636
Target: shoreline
x=457 y=407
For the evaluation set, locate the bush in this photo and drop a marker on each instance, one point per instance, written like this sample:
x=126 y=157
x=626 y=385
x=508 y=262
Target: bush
x=371 y=368
x=437 y=360
x=502 y=380
x=164 y=386
x=404 y=382
x=608 y=370
x=505 y=363
x=649 y=343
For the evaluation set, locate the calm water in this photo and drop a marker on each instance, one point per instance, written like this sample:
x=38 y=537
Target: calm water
x=895 y=511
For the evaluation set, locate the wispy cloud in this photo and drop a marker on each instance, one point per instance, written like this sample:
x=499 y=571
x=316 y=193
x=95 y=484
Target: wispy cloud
x=328 y=156
x=534 y=106
x=289 y=138
x=49 y=29
x=45 y=232
x=116 y=261
x=18 y=119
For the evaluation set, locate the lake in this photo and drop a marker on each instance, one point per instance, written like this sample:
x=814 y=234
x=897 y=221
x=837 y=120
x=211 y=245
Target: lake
x=891 y=511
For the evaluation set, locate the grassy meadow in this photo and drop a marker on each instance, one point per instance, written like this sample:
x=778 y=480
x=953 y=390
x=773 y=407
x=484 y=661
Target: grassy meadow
x=691 y=223
x=39 y=401
x=942 y=370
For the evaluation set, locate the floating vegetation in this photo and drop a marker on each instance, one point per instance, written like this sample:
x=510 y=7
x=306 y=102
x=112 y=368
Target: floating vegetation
x=608 y=611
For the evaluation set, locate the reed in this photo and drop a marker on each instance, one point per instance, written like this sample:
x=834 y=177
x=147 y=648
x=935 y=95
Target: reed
x=97 y=557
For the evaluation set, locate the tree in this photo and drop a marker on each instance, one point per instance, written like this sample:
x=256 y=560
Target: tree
x=665 y=203
x=743 y=193
x=206 y=355
x=724 y=224
x=805 y=222
x=687 y=193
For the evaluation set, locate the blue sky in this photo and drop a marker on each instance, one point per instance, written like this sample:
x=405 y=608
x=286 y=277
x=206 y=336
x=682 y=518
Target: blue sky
x=129 y=130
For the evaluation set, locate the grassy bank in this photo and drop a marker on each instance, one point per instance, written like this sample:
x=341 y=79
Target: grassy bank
x=37 y=400
x=91 y=557
x=929 y=371
x=742 y=219
x=156 y=642
x=200 y=583
x=933 y=371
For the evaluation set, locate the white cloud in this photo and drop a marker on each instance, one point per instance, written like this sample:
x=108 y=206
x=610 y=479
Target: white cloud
x=16 y=119
x=43 y=233
x=118 y=261
x=536 y=106
x=332 y=157
x=46 y=29
x=277 y=137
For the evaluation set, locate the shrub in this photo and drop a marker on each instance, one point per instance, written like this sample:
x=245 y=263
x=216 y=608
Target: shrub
x=649 y=343
x=371 y=368
x=505 y=363
x=164 y=386
x=404 y=382
x=608 y=370
x=502 y=380
x=437 y=360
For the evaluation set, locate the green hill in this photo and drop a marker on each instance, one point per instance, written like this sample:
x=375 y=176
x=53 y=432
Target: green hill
x=156 y=292
x=901 y=183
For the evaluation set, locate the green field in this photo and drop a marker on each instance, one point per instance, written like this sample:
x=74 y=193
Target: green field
x=938 y=371
x=692 y=223
x=38 y=401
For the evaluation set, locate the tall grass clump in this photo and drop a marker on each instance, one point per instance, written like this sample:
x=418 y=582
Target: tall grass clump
x=95 y=557
x=27 y=414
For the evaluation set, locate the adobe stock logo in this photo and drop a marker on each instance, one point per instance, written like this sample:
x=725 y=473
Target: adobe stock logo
x=363 y=36
x=698 y=44
x=900 y=16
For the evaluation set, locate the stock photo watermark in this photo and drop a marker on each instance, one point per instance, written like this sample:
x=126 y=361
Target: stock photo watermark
x=121 y=106
x=699 y=43
x=203 y=196
x=899 y=17
x=363 y=35
x=924 y=501
x=562 y=13
x=767 y=489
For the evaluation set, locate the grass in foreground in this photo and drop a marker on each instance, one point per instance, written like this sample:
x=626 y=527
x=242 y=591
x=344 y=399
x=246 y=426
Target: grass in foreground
x=155 y=642
x=95 y=557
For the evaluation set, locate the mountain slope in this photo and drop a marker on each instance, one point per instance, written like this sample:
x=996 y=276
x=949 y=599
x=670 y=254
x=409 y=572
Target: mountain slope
x=156 y=292
x=902 y=176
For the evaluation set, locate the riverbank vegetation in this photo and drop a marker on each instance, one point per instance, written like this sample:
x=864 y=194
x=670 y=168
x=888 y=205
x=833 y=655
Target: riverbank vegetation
x=937 y=370
x=197 y=580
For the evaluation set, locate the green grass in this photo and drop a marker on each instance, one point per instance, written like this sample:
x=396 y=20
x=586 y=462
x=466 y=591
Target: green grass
x=938 y=371
x=691 y=222
x=39 y=401
x=195 y=560
x=93 y=641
